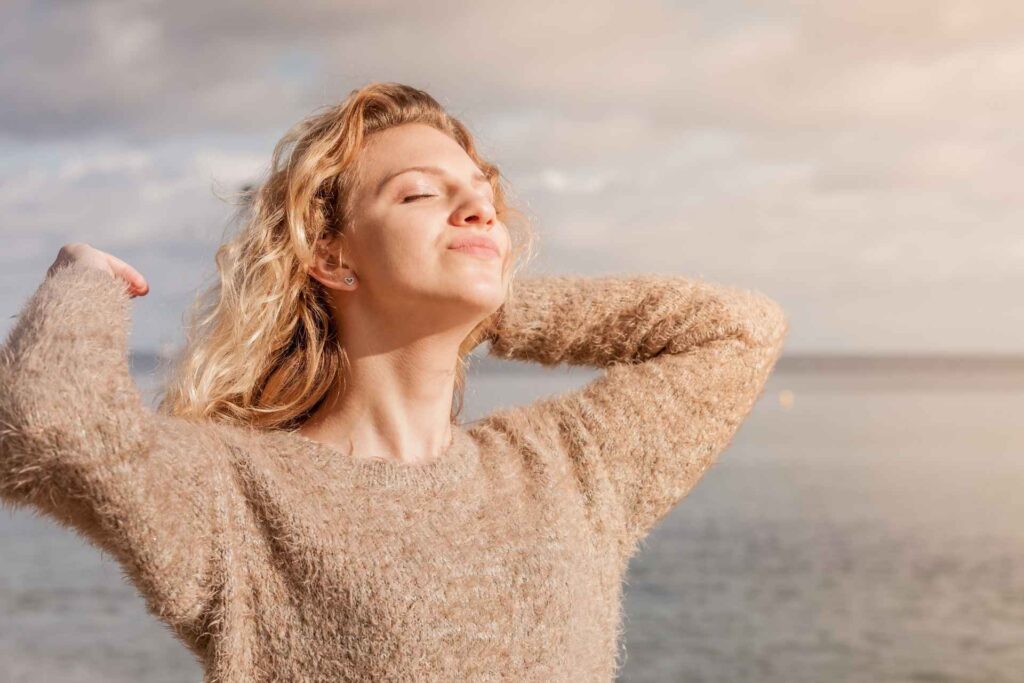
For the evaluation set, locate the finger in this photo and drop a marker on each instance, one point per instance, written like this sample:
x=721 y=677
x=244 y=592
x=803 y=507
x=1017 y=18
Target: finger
x=129 y=274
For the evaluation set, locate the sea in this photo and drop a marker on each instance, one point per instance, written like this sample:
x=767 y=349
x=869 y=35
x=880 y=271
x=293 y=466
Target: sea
x=865 y=524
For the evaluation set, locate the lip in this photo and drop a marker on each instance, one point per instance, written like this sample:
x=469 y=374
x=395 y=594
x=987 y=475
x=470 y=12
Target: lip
x=474 y=244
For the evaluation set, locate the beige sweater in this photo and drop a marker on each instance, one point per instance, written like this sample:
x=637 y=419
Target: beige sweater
x=276 y=558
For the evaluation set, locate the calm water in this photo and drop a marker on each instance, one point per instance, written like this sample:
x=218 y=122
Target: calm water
x=857 y=529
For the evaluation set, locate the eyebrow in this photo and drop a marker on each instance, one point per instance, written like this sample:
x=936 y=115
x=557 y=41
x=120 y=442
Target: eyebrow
x=433 y=170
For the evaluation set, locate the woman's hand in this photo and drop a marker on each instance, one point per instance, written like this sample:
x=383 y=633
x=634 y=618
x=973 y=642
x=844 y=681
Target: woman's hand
x=94 y=258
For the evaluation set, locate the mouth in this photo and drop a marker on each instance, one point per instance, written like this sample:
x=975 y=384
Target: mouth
x=475 y=244
x=476 y=250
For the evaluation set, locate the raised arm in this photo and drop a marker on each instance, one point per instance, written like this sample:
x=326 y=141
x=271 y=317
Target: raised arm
x=683 y=359
x=77 y=443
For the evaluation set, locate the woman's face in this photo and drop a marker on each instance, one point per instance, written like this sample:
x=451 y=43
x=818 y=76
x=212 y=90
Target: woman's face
x=404 y=222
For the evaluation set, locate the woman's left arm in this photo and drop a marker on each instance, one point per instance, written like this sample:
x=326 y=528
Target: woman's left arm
x=683 y=361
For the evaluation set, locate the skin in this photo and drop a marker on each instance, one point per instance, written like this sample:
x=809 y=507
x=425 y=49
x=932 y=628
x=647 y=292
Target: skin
x=94 y=258
x=413 y=300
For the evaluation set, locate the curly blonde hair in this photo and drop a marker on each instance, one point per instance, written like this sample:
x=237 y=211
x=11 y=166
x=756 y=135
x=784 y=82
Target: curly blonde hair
x=261 y=349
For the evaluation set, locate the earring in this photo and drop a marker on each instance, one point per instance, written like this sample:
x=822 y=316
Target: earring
x=349 y=280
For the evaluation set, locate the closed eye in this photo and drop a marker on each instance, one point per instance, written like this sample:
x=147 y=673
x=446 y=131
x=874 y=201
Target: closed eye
x=415 y=196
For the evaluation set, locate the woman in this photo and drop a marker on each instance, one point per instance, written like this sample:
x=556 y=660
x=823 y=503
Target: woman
x=304 y=504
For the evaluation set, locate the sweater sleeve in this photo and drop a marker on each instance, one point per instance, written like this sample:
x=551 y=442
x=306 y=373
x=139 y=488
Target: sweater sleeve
x=683 y=361
x=78 y=444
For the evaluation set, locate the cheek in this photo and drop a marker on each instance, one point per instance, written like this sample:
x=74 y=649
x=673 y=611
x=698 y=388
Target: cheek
x=408 y=250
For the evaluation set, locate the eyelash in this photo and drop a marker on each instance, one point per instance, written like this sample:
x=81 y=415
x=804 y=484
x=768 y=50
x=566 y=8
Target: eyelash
x=416 y=196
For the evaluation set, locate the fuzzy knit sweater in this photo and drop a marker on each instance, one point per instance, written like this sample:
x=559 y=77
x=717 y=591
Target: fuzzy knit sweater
x=274 y=557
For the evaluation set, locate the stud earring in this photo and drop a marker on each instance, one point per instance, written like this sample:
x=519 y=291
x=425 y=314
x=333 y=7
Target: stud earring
x=349 y=280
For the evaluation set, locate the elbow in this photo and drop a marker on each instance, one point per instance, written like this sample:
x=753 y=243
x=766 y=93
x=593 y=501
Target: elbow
x=749 y=317
x=772 y=335
x=41 y=418
x=781 y=323
x=776 y=321
x=765 y=323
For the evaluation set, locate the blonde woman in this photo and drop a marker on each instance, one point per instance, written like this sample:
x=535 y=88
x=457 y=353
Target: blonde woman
x=305 y=504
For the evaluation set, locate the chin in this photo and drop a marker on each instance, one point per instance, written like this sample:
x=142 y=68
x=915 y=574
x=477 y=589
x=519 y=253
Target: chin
x=482 y=290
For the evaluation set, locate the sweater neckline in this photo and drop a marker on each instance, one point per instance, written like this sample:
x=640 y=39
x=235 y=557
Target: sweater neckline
x=451 y=465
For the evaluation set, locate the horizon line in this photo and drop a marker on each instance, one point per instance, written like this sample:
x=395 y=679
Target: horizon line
x=793 y=362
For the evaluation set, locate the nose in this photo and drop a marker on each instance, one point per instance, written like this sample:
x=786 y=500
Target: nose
x=476 y=211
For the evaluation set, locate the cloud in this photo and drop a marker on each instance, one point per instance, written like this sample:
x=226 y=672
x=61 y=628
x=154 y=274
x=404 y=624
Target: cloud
x=815 y=150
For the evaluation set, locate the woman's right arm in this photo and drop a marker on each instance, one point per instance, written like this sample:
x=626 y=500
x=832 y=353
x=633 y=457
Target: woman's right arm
x=77 y=443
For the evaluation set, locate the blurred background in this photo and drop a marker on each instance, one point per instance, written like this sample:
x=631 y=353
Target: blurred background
x=858 y=162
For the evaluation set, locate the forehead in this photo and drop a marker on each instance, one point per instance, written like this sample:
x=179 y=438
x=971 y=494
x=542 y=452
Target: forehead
x=408 y=145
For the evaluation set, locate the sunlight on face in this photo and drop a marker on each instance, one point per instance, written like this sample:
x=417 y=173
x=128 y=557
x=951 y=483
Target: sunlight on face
x=405 y=220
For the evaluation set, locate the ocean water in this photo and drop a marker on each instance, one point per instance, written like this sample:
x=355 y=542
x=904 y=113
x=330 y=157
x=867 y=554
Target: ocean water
x=859 y=528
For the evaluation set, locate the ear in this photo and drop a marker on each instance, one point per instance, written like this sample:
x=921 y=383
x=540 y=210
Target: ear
x=330 y=268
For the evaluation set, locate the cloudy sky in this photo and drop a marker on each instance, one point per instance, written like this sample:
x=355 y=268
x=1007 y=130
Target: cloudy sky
x=859 y=162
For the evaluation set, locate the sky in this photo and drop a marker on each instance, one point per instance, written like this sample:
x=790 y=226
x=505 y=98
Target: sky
x=858 y=162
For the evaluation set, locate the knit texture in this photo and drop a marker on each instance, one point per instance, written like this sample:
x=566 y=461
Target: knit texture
x=273 y=557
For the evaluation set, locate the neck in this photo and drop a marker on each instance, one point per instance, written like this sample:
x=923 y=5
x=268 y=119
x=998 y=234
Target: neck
x=394 y=405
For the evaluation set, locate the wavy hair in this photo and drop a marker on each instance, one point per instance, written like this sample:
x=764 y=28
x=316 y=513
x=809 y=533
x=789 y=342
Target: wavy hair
x=261 y=345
